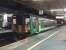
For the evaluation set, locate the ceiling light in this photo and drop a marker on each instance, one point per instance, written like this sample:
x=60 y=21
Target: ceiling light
x=56 y=10
x=36 y=0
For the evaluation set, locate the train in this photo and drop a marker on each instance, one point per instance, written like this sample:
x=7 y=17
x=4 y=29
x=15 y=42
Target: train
x=23 y=26
x=31 y=24
x=36 y=24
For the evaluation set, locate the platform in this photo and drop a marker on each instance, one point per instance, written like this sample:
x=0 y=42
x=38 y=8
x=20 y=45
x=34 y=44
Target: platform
x=51 y=40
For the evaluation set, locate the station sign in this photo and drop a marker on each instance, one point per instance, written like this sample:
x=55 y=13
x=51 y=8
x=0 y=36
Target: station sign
x=40 y=12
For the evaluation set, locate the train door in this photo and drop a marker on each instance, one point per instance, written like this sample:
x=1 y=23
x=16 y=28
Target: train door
x=33 y=24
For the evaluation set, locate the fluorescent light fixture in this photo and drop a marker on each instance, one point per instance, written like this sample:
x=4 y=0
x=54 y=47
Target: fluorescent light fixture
x=36 y=0
x=57 y=10
x=59 y=17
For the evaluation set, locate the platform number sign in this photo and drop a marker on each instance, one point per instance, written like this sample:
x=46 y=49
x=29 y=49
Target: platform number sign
x=40 y=12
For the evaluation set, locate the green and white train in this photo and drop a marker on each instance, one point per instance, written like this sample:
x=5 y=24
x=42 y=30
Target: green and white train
x=37 y=24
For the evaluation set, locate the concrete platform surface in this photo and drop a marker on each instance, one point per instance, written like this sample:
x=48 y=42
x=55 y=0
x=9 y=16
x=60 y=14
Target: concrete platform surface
x=51 y=40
